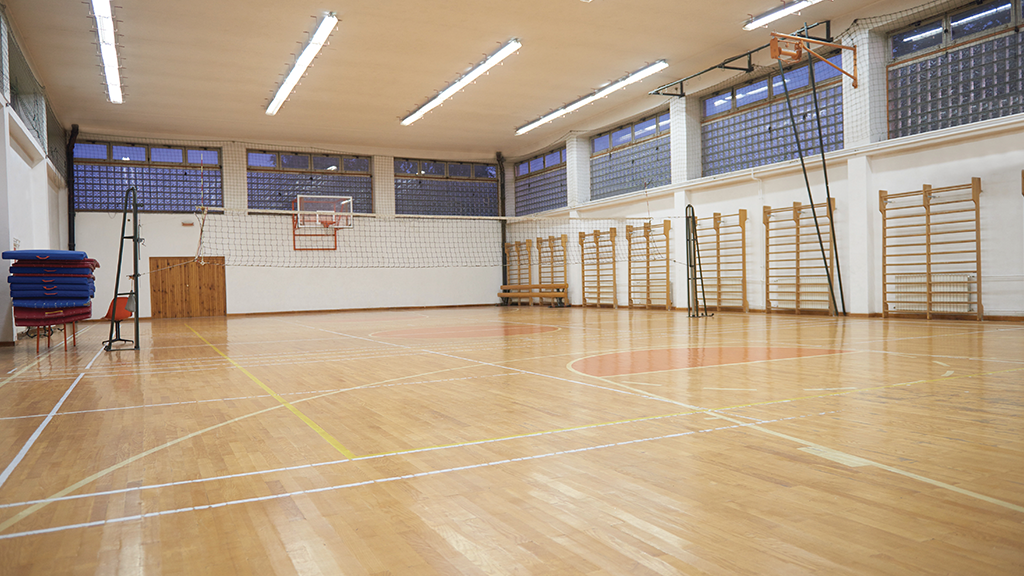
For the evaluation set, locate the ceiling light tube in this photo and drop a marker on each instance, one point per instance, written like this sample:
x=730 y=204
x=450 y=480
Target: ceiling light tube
x=493 y=60
x=634 y=77
x=108 y=48
x=305 y=59
x=931 y=32
x=773 y=15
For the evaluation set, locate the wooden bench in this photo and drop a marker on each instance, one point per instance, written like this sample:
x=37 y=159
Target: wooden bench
x=556 y=292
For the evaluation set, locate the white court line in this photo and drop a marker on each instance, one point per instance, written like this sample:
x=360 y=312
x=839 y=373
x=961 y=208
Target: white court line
x=303 y=393
x=370 y=457
x=35 y=435
x=378 y=481
x=34 y=362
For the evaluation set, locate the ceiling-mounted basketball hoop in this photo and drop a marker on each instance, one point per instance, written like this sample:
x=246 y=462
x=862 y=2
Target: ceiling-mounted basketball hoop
x=790 y=49
x=316 y=220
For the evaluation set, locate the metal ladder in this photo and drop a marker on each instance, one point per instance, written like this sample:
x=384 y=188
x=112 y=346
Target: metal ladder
x=131 y=199
x=694 y=275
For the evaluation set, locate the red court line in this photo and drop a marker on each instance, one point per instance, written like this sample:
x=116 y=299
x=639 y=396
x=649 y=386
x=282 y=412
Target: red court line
x=478 y=331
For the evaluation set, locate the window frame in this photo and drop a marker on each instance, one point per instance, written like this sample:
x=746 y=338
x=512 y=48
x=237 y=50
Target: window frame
x=545 y=167
x=659 y=132
x=421 y=173
x=279 y=167
x=770 y=81
x=948 y=42
x=149 y=163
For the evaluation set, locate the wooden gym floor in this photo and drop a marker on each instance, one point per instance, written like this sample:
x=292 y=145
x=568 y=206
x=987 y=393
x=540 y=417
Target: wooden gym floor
x=517 y=441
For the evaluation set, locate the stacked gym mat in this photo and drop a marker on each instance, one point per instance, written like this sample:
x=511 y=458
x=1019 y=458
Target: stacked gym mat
x=50 y=287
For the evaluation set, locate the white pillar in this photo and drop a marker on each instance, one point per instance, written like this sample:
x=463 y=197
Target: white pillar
x=234 y=173
x=384 y=185
x=7 y=330
x=684 y=122
x=510 y=188
x=859 y=248
x=864 y=107
x=577 y=170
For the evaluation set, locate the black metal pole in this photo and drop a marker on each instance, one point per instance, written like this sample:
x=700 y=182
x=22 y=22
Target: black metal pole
x=69 y=177
x=135 y=260
x=501 y=212
x=117 y=279
x=824 y=171
x=807 y=183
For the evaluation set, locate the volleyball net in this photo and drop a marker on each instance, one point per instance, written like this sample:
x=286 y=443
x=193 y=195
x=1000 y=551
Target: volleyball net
x=378 y=241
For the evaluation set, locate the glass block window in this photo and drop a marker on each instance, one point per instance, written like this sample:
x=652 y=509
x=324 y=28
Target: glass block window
x=436 y=188
x=764 y=135
x=752 y=93
x=541 y=183
x=917 y=39
x=167 y=179
x=753 y=128
x=954 y=27
x=637 y=157
x=980 y=19
x=717 y=104
x=276 y=178
x=977 y=79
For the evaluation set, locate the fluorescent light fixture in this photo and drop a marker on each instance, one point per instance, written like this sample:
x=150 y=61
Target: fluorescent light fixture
x=634 y=77
x=925 y=34
x=773 y=15
x=108 y=48
x=490 y=62
x=980 y=15
x=305 y=59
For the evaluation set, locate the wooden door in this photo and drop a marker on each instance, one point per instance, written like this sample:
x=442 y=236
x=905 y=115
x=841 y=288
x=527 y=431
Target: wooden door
x=180 y=287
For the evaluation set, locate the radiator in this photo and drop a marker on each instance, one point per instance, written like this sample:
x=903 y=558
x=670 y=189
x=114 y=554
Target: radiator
x=951 y=292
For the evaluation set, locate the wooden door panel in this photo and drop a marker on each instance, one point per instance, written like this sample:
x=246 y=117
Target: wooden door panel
x=180 y=287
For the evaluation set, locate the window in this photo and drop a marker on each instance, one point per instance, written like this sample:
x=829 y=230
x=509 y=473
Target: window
x=630 y=158
x=541 y=183
x=953 y=27
x=432 y=187
x=962 y=67
x=167 y=179
x=750 y=125
x=276 y=178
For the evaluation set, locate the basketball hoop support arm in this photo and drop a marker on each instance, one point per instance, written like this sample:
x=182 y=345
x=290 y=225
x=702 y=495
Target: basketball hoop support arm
x=676 y=88
x=799 y=44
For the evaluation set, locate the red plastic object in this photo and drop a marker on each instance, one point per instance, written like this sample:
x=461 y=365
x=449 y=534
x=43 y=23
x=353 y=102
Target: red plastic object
x=122 y=311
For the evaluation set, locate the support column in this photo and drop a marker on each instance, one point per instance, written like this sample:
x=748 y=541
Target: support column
x=858 y=241
x=684 y=121
x=577 y=170
x=384 y=185
x=7 y=330
x=234 y=172
x=864 y=107
x=510 y=188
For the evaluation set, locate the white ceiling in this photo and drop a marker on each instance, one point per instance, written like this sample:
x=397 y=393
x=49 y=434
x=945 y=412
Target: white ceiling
x=206 y=69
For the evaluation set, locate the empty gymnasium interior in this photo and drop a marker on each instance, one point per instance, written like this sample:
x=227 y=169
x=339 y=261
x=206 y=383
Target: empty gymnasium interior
x=541 y=287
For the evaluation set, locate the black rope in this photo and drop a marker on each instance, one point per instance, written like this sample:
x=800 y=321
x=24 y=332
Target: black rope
x=807 y=183
x=824 y=171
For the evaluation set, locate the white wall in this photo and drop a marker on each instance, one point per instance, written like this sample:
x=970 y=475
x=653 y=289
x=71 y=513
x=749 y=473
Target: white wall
x=34 y=209
x=992 y=150
x=254 y=289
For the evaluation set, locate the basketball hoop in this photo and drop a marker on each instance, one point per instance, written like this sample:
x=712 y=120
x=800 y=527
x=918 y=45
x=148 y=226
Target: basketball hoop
x=788 y=48
x=317 y=219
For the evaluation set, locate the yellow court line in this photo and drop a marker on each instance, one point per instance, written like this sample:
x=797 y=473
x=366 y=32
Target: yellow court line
x=58 y=495
x=316 y=427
